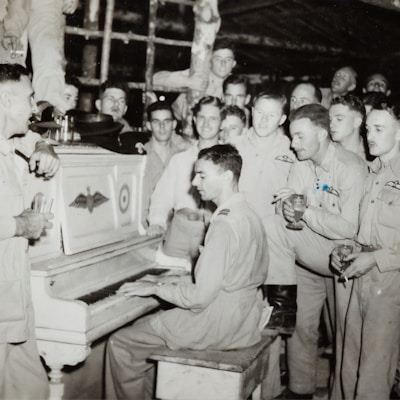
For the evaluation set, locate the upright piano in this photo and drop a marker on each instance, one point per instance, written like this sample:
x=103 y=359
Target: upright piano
x=97 y=243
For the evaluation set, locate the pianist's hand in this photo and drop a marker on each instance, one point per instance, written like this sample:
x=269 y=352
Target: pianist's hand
x=138 y=288
x=30 y=225
x=154 y=230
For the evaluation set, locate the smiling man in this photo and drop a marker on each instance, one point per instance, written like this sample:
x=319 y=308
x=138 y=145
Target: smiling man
x=22 y=375
x=222 y=63
x=220 y=309
x=332 y=179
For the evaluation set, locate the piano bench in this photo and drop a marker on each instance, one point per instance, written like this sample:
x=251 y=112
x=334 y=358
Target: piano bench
x=212 y=374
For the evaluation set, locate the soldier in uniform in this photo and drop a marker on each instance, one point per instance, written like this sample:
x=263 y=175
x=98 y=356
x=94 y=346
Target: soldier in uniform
x=221 y=308
x=372 y=335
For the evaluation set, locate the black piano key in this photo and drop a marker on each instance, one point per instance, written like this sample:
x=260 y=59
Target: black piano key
x=110 y=290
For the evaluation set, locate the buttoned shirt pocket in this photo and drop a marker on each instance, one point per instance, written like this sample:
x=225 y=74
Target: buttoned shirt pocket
x=11 y=307
x=389 y=208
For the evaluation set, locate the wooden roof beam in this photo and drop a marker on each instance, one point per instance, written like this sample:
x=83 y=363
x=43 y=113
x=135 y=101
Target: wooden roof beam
x=393 y=5
x=246 y=7
x=286 y=44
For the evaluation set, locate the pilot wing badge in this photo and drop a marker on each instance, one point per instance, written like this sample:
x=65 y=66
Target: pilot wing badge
x=224 y=211
x=393 y=184
x=284 y=158
x=89 y=201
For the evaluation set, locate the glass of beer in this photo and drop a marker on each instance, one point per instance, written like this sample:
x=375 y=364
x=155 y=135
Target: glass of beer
x=343 y=250
x=298 y=202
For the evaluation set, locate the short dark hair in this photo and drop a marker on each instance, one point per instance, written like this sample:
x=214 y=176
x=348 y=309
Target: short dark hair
x=224 y=43
x=391 y=108
x=225 y=156
x=372 y=98
x=233 y=110
x=272 y=95
x=12 y=72
x=73 y=81
x=317 y=90
x=110 y=84
x=158 y=106
x=234 y=79
x=316 y=113
x=353 y=102
x=207 y=100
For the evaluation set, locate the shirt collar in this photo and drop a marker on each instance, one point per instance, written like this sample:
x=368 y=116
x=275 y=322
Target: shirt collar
x=376 y=165
x=328 y=158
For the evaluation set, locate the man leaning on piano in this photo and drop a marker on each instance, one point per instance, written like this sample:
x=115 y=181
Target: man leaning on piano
x=22 y=375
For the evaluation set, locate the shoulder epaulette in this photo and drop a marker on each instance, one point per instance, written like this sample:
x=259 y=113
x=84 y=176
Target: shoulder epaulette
x=225 y=211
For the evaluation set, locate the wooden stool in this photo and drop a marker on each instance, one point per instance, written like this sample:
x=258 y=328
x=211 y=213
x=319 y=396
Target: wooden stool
x=212 y=374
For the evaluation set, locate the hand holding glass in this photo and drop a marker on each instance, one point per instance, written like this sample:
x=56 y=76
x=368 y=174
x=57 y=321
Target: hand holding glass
x=42 y=203
x=298 y=202
x=343 y=250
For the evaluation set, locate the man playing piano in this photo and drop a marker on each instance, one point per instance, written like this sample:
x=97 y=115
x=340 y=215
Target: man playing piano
x=22 y=375
x=221 y=308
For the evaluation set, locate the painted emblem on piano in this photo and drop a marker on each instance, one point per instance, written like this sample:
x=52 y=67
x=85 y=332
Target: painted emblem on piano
x=124 y=198
x=89 y=201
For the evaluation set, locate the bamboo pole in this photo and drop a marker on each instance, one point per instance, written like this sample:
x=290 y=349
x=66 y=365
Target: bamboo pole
x=150 y=55
x=125 y=36
x=89 y=54
x=207 y=23
x=106 y=46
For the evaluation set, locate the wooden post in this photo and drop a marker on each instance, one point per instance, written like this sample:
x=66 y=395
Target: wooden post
x=150 y=54
x=106 y=47
x=207 y=23
x=89 y=55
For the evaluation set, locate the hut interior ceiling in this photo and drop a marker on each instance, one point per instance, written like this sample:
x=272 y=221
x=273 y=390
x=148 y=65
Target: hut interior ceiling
x=281 y=38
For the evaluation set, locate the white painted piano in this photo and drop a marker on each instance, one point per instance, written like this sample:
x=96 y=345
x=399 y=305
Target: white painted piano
x=96 y=243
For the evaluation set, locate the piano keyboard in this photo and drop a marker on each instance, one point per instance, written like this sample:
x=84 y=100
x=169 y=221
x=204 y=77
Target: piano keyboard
x=98 y=295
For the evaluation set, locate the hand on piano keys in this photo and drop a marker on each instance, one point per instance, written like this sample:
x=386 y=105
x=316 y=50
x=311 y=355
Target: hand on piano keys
x=139 y=288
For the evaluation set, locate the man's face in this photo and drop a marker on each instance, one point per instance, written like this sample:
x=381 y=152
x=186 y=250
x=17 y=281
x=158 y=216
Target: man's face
x=232 y=126
x=22 y=105
x=235 y=95
x=343 y=122
x=113 y=103
x=302 y=94
x=161 y=125
x=208 y=121
x=343 y=81
x=267 y=116
x=377 y=83
x=222 y=62
x=71 y=94
x=305 y=136
x=383 y=134
x=208 y=180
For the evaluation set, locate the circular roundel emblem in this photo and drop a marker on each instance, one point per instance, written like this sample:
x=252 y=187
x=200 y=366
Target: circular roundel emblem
x=124 y=198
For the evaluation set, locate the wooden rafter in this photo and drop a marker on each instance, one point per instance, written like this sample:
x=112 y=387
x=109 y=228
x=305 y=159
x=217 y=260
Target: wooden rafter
x=249 y=7
x=393 y=5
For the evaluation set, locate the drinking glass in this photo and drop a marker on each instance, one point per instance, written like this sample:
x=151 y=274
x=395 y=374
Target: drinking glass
x=343 y=250
x=298 y=202
x=42 y=203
